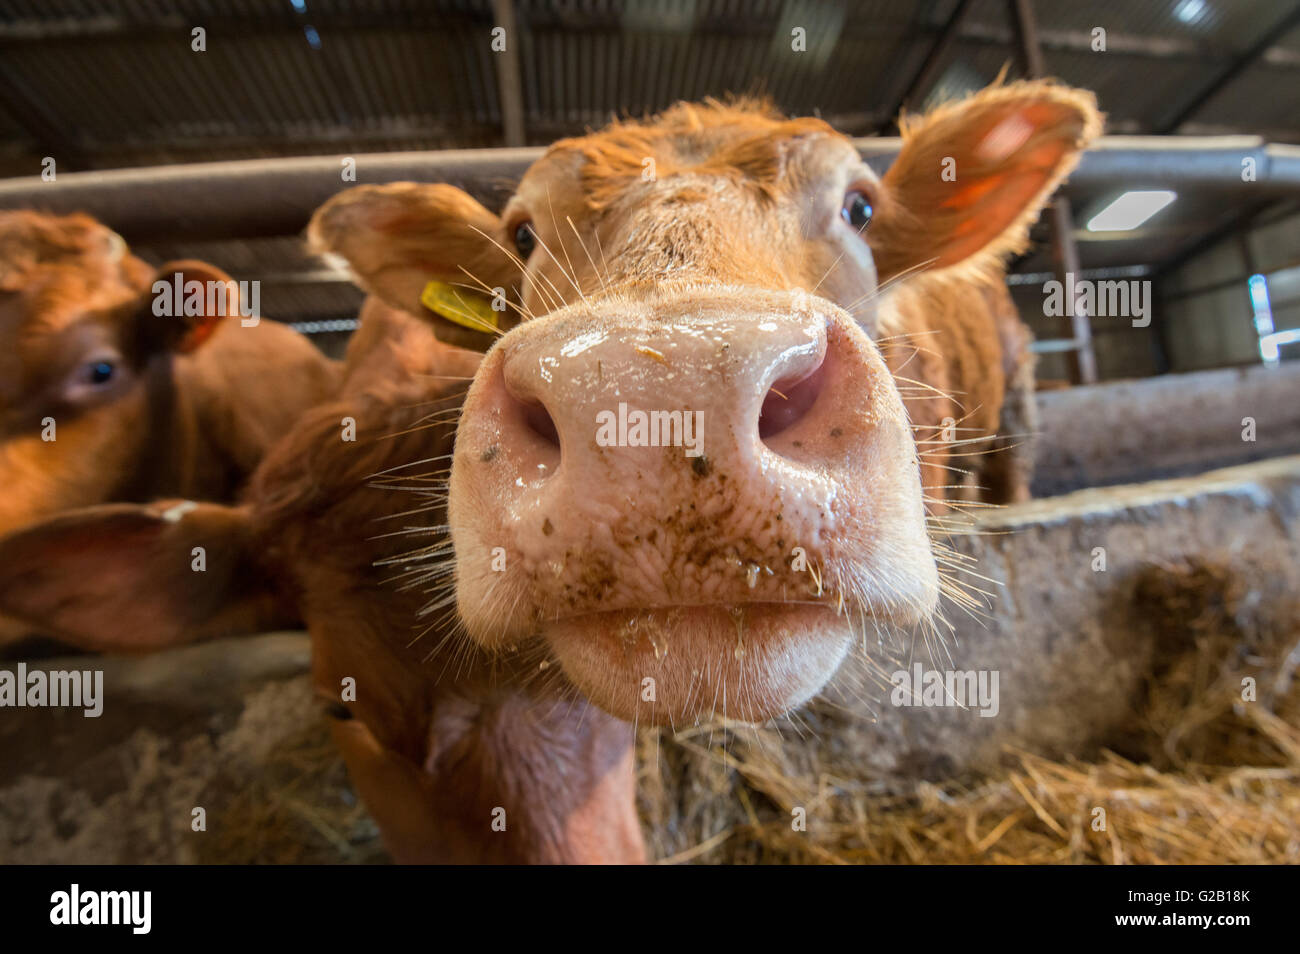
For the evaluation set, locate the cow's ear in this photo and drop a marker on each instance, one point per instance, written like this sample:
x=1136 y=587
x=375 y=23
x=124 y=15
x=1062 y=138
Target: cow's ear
x=429 y=250
x=129 y=577
x=973 y=175
x=186 y=303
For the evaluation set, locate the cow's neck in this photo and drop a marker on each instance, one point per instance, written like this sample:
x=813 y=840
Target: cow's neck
x=536 y=779
x=466 y=758
x=176 y=457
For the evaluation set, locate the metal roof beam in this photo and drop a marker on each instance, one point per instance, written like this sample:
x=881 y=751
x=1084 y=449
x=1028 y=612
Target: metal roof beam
x=1234 y=69
x=925 y=76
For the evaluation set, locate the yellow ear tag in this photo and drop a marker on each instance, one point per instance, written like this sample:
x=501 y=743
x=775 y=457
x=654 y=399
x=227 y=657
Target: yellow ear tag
x=469 y=309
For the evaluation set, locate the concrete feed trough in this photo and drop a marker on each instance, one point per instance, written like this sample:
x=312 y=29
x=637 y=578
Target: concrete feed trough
x=231 y=726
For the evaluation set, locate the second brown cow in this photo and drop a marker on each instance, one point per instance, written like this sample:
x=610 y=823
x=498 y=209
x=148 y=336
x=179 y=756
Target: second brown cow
x=102 y=398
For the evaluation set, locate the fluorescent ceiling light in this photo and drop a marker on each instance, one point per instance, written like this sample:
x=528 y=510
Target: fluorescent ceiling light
x=1189 y=11
x=1130 y=210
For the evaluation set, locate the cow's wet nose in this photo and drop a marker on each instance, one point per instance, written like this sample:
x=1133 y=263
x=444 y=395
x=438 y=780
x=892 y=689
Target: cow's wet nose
x=707 y=385
x=701 y=451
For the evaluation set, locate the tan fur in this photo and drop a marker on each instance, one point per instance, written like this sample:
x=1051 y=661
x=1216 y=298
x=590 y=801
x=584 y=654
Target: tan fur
x=1064 y=121
x=29 y=240
x=196 y=402
x=397 y=237
x=1009 y=147
x=440 y=734
x=961 y=356
x=441 y=731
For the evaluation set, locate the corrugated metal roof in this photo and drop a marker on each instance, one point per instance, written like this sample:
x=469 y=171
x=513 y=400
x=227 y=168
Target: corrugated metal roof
x=106 y=84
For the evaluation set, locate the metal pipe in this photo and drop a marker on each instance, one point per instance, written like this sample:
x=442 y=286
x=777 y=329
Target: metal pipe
x=253 y=198
x=1024 y=25
x=1190 y=163
x=265 y=197
x=509 y=86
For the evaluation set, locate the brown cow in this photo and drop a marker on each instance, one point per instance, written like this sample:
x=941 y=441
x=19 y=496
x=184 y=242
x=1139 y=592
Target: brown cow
x=439 y=735
x=101 y=399
x=741 y=281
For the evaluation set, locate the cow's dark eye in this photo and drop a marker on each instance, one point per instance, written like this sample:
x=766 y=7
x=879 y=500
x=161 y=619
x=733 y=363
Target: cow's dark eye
x=100 y=372
x=525 y=240
x=856 y=211
x=95 y=379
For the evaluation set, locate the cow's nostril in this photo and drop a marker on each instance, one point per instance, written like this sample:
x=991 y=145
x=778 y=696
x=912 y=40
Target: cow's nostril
x=788 y=401
x=528 y=433
x=539 y=421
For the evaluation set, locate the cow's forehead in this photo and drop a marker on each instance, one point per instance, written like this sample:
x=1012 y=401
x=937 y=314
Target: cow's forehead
x=748 y=141
x=61 y=295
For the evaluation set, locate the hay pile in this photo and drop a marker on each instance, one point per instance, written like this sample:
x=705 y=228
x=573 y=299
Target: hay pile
x=1205 y=777
x=282 y=794
x=300 y=808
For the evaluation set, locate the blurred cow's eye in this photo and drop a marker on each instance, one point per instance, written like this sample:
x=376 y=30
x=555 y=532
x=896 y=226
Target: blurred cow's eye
x=100 y=372
x=856 y=211
x=525 y=240
x=99 y=379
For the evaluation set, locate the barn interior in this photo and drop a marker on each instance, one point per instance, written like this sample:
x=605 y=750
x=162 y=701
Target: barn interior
x=1144 y=603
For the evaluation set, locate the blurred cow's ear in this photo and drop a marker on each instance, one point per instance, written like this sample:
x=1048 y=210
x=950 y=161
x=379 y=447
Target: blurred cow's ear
x=432 y=251
x=129 y=577
x=973 y=175
x=186 y=303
